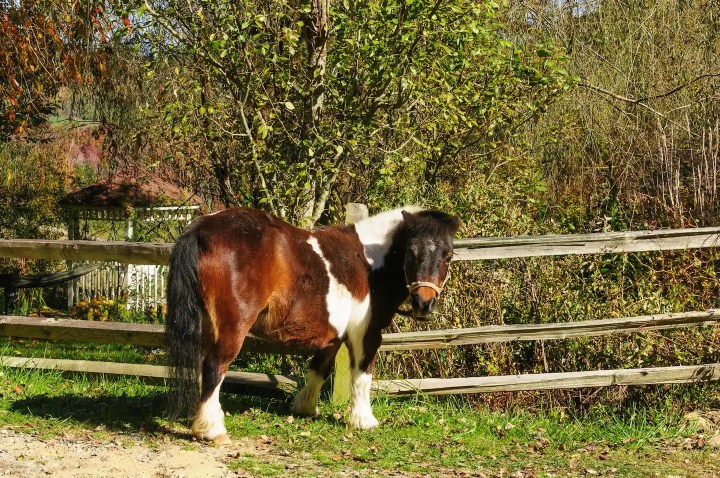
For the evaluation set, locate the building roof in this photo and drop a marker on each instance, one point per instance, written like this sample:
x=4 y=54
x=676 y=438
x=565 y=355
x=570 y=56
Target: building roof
x=126 y=192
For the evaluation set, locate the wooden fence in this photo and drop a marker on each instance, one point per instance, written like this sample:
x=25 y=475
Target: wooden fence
x=466 y=249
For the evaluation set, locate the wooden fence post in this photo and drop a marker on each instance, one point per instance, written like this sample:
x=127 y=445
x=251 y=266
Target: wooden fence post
x=73 y=235
x=341 y=376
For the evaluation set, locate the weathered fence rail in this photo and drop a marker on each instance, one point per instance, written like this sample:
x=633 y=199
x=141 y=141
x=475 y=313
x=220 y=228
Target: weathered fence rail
x=149 y=335
x=152 y=335
x=552 y=381
x=596 y=243
x=156 y=374
x=96 y=251
x=466 y=249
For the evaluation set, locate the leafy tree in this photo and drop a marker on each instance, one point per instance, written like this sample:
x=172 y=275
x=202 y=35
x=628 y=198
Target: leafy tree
x=30 y=190
x=277 y=103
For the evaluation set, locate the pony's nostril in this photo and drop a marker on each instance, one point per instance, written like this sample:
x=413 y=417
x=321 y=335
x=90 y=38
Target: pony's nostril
x=416 y=301
x=431 y=304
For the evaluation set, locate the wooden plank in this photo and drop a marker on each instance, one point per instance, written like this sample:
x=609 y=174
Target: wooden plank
x=150 y=335
x=466 y=249
x=151 y=373
x=551 y=381
x=82 y=330
x=597 y=243
x=130 y=252
x=436 y=339
x=153 y=335
x=430 y=386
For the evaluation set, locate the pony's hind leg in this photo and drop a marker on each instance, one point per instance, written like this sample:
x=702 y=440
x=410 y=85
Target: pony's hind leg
x=321 y=366
x=209 y=422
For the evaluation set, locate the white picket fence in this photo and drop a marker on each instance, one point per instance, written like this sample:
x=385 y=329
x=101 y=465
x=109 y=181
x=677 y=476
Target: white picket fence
x=140 y=286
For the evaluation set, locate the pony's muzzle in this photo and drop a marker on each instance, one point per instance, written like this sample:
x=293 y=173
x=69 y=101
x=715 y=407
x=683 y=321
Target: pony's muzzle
x=422 y=307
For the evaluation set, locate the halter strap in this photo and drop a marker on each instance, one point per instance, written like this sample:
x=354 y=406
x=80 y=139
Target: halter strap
x=412 y=287
x=416 y=285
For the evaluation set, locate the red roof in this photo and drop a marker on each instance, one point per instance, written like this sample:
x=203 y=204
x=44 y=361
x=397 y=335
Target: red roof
x=124 y=192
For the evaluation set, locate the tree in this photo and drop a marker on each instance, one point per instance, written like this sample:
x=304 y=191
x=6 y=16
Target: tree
x=275 y=102
x=43 y=47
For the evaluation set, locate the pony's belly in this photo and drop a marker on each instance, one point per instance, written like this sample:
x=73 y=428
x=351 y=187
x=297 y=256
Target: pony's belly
x=296 y=328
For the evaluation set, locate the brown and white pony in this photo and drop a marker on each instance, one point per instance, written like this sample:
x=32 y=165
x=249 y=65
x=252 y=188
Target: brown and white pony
x=243 y=271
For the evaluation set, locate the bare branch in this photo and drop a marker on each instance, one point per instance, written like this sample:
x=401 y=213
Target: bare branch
x=680 y=87
x=255 y=160
x=327 y=186
x=626 y=99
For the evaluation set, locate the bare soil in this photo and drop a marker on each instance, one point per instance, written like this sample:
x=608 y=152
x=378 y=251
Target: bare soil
x=28 y=455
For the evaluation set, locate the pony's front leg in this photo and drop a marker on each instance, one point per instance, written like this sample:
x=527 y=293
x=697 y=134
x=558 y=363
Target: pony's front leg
x=364 y=353
x=361 y=416
x=321 y=367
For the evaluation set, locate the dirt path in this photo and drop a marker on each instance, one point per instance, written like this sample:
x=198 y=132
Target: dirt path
x=120 y=455
x=29 y=456
x=113 y=454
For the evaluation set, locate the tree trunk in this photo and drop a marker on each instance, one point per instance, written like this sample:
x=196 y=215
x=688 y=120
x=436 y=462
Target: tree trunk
x=316 y=30
x=317 y=27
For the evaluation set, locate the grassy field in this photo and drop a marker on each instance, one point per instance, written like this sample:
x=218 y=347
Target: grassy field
x=419 y=436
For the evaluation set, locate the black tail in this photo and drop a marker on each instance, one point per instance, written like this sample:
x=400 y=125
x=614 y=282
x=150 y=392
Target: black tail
x=184 y=326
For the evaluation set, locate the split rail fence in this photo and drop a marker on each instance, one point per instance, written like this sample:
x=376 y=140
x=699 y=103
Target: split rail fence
x=466 y=249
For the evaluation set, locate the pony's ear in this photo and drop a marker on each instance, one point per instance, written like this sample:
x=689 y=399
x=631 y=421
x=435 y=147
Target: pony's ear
x=453 y=223
x=407 y=215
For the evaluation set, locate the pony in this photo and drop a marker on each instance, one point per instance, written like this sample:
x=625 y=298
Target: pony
x=242 y=270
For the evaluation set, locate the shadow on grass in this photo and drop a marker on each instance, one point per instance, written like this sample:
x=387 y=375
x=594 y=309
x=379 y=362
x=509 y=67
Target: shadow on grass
x=147 y=412
x=110 y=411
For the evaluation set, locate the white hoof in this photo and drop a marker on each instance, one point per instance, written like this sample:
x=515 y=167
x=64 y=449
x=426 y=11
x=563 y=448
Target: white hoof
x=306 y=403
x=217 y=433
x=204 y=429
x=304 y=408
x=362 y=421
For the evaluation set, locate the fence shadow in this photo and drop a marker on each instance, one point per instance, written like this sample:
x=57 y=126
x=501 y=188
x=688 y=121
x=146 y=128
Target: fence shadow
x=112 y=412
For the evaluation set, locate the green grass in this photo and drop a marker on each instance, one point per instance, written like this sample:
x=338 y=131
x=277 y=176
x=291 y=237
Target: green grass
x=417 y=435
x=427 y=435
x=38 y=348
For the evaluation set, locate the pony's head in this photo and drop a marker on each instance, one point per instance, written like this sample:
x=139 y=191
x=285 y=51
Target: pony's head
x=428 y=252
